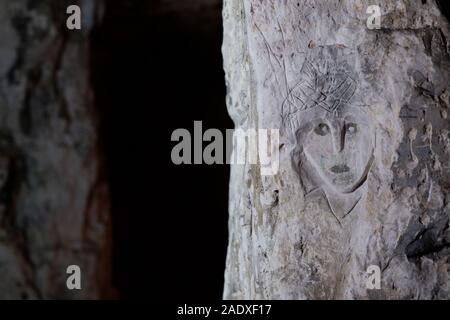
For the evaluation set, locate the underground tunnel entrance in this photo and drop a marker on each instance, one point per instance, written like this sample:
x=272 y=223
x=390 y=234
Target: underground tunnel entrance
x=156 y=69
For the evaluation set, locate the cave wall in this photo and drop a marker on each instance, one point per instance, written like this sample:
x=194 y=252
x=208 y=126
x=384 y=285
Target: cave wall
x=54 y=202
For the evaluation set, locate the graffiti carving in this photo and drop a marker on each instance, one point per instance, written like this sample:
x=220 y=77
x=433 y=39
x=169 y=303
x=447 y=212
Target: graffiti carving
x=333 y=132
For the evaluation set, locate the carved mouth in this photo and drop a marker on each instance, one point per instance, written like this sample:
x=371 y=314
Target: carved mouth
x=342 y=168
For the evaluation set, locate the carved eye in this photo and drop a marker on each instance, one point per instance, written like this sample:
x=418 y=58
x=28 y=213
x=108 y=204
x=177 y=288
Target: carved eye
x=351 y=128
x=322 y=129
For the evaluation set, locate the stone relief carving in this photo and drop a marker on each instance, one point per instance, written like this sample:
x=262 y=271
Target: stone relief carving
x=364 y=170
x=333 y=133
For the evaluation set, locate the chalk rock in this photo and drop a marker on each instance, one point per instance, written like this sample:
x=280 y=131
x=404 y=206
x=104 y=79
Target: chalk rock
x=363 y=177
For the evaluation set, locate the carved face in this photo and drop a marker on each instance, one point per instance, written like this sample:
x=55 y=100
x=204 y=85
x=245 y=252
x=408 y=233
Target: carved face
x=327 y=115
x=340 y=147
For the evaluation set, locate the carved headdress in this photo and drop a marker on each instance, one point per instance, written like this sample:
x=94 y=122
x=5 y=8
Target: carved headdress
x=326 y=81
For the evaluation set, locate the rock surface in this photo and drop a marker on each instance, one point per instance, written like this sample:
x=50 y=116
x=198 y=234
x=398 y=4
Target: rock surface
x=54 y=205
x=364 y=176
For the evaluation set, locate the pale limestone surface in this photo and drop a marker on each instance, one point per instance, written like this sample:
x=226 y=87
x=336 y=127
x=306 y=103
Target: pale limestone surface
x=364 y=173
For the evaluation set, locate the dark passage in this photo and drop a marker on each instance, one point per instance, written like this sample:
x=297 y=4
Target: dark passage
x=157 y=68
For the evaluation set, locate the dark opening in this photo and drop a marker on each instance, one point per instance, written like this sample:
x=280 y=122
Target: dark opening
x=444 y=5
x=155 y=69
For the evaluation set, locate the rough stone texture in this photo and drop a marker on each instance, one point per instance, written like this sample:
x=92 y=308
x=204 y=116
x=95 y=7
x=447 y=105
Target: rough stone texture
x=157 y=7
x=53 y=197
x=364 y=173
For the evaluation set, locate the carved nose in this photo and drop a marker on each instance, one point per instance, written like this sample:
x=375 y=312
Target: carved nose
x=339 y=139
x=342 y=168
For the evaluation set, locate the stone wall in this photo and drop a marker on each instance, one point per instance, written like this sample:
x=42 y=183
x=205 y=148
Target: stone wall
x=364 y=152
